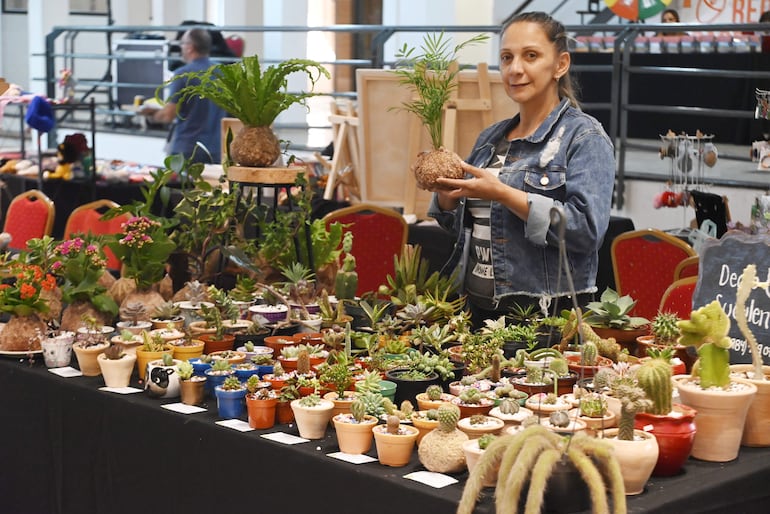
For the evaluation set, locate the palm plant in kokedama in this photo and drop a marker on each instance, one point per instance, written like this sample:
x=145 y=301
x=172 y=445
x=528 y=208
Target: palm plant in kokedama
x=430 y=75
x=254 y=96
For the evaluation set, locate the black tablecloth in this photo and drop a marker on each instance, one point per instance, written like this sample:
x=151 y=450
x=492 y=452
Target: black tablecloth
x=68 y=448
x=732 y=93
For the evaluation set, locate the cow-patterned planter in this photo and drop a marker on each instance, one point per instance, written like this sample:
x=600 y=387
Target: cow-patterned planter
x=162 y=381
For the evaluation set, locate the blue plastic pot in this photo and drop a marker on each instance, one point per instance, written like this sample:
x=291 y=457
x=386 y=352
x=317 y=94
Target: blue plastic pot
x=215 y=380
x=231 y=404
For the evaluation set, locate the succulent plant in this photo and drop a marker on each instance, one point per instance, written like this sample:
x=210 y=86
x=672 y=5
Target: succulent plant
x=196 y=292
x=303 y=363
x=311 y=400
x=166 y=310
x=664 y=328
x=589 y=354
x=252 y=384
x=707 y=330
x=114 y=351
x=434 y=392
x=185 y=370
x=448 y=415
x=559 y=419
x=593 y=405
x=168 y=359
x=508 y=406
x=358 y=410
x=393 y=425
x=485 y=441
x=477 y=419
x=406 y=408
x=232 y=383
x=372 y=402
x=612 y=311
x=471 y=396
x=220 y=365
x=134 y=312
x=654 y=376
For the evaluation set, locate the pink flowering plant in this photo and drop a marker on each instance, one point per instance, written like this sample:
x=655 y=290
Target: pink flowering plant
x=21 y=288
x=80 y=263
x=143 y=246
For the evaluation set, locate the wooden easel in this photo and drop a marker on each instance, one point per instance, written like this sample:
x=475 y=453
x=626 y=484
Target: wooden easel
x=482 y=104
x=345 y=161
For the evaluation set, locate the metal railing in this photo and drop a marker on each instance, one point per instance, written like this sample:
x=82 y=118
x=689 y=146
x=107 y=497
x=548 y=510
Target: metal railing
x=620 y=70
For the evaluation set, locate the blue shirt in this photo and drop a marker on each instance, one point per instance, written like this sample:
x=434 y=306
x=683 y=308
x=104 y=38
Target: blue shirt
x=198 y=119
x=567 y=162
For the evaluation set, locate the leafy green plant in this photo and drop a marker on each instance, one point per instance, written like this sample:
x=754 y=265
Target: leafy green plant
x=429 y=75
x=246 y=91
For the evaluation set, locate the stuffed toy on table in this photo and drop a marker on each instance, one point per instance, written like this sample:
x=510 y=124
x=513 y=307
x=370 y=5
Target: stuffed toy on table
x=70 y=151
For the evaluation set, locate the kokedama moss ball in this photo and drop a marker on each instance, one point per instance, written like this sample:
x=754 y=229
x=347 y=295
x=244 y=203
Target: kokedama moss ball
x=436 y=164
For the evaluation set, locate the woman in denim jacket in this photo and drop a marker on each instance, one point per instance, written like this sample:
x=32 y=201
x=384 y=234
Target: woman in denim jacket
x=549 y=155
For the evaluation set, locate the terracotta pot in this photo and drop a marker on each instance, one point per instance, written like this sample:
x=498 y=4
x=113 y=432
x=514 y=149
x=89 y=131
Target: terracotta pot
x=354 y=438
x=394 y=449
x=424 y=403
x=424 y=425
x=564 y=385
x=193 y=390
x=573 y=362
x=283 y=413
x=116 y=372
x=720 y=419
x=648 y=341
x=756 y=431
x=637 y=458
x=468 y=410
x=200 y=327
x=232 y=356
x=312 y=421
x=212 y=343
x=86 y=357
x=675 y=435
x=144 y=357
x=277 y=343
x=341 y=405
x=261 y=412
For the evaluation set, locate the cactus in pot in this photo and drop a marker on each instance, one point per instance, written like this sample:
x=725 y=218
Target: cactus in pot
x=707 y=331
x=664 y=328
x=654 y=377
x=441 y=450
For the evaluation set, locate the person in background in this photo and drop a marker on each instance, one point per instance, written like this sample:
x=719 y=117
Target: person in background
x=765 y=18
x=197 y=120
x=670 y=16
x=549 y=155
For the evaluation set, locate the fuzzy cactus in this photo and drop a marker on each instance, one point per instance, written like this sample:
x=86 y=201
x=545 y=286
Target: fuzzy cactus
x=358 y=410
x=632 y=400
x=508 y=406
x=448 y=415
x=434 y=392
x=707 y=330
x=406 y=408
x=346 y=281
x=664 y=328
x=654 y=376
x=303 y=363
x=589 y=353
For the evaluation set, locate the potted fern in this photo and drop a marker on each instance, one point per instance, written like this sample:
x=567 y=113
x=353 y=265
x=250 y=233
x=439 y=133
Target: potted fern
x=255 y=96
x=430 y=75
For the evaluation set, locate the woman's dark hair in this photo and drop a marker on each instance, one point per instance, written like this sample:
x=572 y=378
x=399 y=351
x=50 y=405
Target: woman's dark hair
x=765 y=18
x=672 y=12
x=557 y=35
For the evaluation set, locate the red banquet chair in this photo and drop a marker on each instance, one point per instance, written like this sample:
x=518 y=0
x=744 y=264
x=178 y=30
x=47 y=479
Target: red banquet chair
x=379 y=234
x=86 y=219
x=677 y=298
x=30 y=215
x=644 y=262
x=687 y=268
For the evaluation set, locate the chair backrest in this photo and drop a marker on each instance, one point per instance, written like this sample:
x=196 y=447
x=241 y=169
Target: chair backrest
x=687 y=267
x=644 y=262
x=677 y=298
x=379 y=234
x=30 y=215
x=85 y=219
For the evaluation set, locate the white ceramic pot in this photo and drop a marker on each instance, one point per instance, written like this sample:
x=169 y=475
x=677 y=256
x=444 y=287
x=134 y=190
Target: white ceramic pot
x=57 y=350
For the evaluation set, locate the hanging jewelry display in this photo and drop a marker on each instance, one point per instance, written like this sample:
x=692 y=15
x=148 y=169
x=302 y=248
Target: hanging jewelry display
x=762 y=111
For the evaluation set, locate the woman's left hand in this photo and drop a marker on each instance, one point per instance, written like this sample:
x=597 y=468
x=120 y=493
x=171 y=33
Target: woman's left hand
x=482 y=184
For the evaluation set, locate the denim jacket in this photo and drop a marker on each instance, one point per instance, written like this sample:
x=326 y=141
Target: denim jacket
x=568 y=162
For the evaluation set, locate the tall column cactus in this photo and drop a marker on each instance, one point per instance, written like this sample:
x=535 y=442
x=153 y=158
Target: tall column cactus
x=707 y=330
x=632 y=400
x=346 y=282
x=654 y=376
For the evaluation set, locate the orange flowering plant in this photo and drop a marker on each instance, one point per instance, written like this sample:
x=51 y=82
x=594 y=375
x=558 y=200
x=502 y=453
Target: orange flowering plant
x=20 y=291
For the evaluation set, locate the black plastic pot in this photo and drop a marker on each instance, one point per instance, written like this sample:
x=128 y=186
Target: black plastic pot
x=408 y=389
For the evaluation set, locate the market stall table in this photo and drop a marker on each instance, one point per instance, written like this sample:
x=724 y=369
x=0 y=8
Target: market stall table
x=70 y=448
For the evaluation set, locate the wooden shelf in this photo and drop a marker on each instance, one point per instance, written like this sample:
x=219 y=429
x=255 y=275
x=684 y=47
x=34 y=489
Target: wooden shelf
x=267 y=176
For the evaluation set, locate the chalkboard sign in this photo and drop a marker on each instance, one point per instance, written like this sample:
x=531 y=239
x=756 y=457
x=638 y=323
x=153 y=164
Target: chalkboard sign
x=721 y=265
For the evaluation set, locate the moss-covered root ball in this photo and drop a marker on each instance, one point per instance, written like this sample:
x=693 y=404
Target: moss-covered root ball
x=435 y=164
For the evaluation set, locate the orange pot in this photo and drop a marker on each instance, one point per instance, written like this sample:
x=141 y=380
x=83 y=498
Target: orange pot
x=261 y=412
x=212 y=343
x=283 y=413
